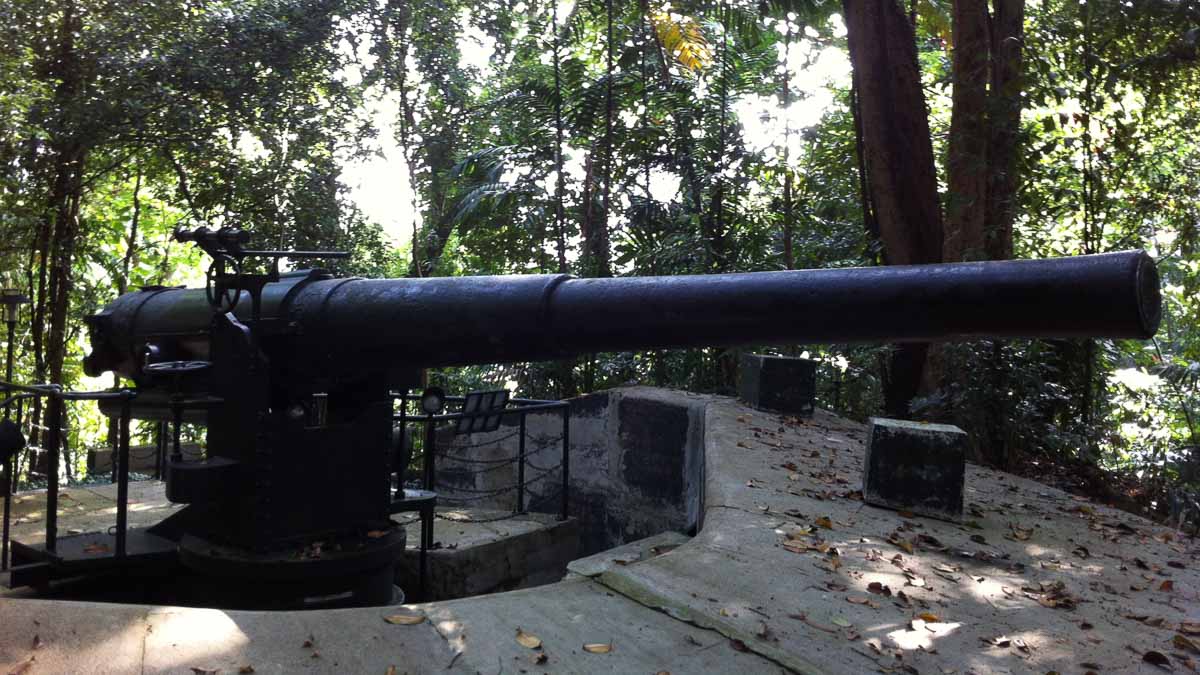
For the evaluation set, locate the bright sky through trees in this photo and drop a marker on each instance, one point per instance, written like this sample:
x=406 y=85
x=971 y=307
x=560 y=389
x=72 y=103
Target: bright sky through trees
x=380 y=187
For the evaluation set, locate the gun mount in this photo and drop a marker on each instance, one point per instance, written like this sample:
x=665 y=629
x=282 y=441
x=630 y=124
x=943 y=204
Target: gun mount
x=295 y=386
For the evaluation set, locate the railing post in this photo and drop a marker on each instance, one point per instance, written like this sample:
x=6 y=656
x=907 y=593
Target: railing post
x=160 y=448
x=9 y=464
x=521 y=465
x=54 y=437
x=123 y=475
x=402 y=470
x=430 y=477
x=566 y=458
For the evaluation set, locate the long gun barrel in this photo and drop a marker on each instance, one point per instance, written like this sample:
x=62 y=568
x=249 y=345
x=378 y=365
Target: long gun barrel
x=336 y=325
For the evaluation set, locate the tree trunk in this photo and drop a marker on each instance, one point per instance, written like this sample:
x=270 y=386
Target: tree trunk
x=984 y=130
x=1008 y=37
x=967 y=158
x=898 y=154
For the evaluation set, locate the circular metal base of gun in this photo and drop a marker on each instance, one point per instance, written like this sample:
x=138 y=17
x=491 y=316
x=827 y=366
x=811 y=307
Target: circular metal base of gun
x=354 y=572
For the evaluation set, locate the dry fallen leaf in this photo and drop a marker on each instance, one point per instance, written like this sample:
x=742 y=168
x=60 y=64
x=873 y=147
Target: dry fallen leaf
x=405 y=619
x=904 y=544
x=879 y=589
x=929 y=618
x=528 y=640
x=245 y=670
x=390 y=671
x=738 y=646
x=1185 y=644
x=825 y=522
x=601 y=647
x=1156 y=658
x=1167 y=586
x=840 y=621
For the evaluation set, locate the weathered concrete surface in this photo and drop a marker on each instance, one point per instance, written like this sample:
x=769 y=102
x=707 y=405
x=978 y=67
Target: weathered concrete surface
x=917 y=467
x=637 y=464
x=475 y=553
x=782 y=384
x=992 y=577
x=88 y=508
x=783 y=567
x=635 y=551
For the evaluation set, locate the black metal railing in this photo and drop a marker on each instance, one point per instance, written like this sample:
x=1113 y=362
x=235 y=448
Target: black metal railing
x=530 y=474
x=56 y=398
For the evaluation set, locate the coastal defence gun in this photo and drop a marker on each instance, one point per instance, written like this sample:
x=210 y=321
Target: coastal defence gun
x=293 y=375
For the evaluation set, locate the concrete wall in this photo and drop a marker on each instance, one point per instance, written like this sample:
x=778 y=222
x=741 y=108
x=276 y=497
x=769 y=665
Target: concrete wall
x=636 y=465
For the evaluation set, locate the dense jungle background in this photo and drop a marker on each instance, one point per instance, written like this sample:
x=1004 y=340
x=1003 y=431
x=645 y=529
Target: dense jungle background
x=635 y=137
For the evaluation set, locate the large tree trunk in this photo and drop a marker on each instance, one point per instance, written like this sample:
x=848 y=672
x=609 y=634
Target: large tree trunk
x=967 y=158
x=898 y=155
x=1008 y=37
x=984 y=130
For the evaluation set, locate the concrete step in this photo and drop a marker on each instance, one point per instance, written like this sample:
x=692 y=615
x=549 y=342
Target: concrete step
x=634 y=551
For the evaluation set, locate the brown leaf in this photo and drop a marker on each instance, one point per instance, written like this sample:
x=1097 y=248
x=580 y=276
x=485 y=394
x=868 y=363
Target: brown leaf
x=904 y=544
x=245 y=670
x=879 y=589
x=390 y=671
x=1167 y=586
x=528 y=640
x=1185 y=644
x=1020 y=533
x=600 y=647
x=928 y=617
x=825 y=522
x=25 y=667
x=1156 y=658
x=405 y=619
x=738 y=646
x=931 y=542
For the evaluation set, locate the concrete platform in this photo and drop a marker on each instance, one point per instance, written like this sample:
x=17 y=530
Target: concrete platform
x=789 y=572
x=478 y=551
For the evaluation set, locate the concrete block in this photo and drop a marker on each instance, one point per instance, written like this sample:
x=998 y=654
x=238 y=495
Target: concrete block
x=779 y=383
x=914 y=466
